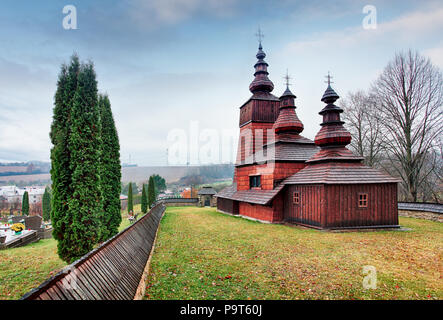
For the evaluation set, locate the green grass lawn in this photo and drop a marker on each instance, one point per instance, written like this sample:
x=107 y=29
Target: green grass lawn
x=202 y=254
x=24 y=268
x=125 y=222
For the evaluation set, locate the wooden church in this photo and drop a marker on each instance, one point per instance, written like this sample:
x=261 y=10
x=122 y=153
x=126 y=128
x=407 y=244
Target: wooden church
x=281 y=176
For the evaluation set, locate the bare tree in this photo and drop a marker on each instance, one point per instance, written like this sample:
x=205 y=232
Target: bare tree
x=364 y=124
x=410 y=95
x=431 y=188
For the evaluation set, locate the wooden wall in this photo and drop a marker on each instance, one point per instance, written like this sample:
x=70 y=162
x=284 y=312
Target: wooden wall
x=251 y=135
x=227 y=205
x=343 y=211
x=270 y=173
x=310 y=210
x=336 y=206
x=255 y=115
x=272 y=212
x=259 y=110
x=256 y=211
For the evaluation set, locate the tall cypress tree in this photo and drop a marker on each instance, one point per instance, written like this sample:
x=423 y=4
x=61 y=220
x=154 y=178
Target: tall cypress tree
x=60 y=154
x=130 y=205
x=85 y=205
x=46 y=205
x=151 y=191
x=110 y=171
x=25 y=203
x=144 y=201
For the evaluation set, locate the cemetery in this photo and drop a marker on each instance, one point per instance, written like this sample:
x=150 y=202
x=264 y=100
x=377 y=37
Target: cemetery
x=16 y=231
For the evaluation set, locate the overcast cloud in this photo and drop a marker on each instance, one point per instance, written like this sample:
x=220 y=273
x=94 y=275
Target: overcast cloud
x=168 y=63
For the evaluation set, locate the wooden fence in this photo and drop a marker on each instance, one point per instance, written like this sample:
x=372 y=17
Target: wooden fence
x=178 y=202
x=417 y=206
x=114 y=271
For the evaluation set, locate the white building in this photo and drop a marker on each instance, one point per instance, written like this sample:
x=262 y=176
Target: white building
x=13 y=194
x=35 y=194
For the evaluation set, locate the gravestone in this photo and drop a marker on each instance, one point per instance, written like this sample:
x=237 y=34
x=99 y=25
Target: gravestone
x=33 y=223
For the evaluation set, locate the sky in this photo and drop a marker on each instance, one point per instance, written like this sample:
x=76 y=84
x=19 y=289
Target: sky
x=177 y=71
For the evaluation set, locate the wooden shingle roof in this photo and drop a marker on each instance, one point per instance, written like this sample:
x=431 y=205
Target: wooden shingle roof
x=262 y=197
x=287 y=149
x=113 y=271
x=206 y=191
x=339 y=173
x=335 y=153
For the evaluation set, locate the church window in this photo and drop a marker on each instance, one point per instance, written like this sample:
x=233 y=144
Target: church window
x=363 y=200
x=255 y=181
x=296 y=197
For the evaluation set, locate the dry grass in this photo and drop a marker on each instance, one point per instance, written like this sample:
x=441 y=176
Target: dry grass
x=202 y=254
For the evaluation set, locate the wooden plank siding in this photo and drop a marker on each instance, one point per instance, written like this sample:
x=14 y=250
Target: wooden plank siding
x=227 y=205
x=259 y=111
x=265 y=110
x=310 y=209
x=113 y=271
x=342 y=210
x=336 y=206
x=270 y=213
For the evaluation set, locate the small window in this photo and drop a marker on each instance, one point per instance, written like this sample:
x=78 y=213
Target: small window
x=362 y=200
x=296 y=197
x=255 y=181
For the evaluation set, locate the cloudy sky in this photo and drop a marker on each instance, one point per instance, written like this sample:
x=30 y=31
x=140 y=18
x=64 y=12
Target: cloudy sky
x=185 y=65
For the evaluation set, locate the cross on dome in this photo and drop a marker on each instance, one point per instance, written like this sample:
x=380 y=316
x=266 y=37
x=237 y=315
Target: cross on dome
x=287 y=78
x=259 y=35
x=329 y=77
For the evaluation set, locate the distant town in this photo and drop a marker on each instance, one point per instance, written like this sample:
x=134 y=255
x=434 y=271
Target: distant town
x=11 y=198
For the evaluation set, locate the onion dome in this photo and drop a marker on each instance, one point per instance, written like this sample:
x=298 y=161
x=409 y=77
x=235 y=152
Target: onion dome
x=261 y=83
x=332 y=132
x=329 y=96
x=287 y=121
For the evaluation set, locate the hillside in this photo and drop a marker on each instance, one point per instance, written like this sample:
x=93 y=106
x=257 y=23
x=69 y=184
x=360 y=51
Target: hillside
x=138 y=175
x=173 y=174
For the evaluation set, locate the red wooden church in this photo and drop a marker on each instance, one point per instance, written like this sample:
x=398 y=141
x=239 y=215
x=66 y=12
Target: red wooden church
x=281 y=176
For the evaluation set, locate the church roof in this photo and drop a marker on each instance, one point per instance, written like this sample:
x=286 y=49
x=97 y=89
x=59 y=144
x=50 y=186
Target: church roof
x=288 y=93
x=333 y=136
x=334 y=163
x=339 y=173
x=287 y=120
x=335 y=154
x=288 y=149
x=290 y=137
x=293 y=152
x=261 y=96
x=262 y=197
x=261 y=82
x=329 y=96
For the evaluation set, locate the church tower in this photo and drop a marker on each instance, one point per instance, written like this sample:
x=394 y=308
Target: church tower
x=258 y=114
x=336 y=190
x=282 y=176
